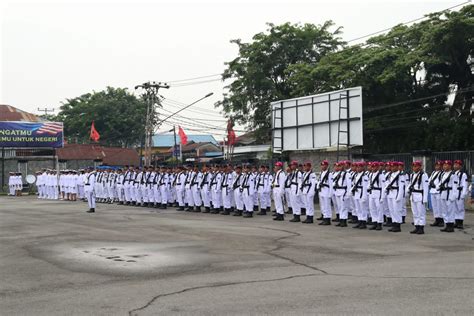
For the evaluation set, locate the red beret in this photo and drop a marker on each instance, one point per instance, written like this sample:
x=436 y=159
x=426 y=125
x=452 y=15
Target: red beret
x=448 y=162
x=294 y=163
x=416 y=163
x=308 y=163
x=459 y=162
x=439 y=162
x=278 y=164
x=324 y=163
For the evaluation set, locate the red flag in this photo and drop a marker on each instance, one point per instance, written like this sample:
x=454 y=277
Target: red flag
x=182 y=136
x=230 y=132
x=95 y=136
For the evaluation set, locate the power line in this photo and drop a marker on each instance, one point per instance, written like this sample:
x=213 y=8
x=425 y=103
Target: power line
x=194 y=78
x=199 y=111
x=194 y=83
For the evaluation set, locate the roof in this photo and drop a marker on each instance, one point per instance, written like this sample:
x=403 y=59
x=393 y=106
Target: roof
x=167 y=140
x=245 y=139
x=114 y=156
x=192 y=146
x=12 y=114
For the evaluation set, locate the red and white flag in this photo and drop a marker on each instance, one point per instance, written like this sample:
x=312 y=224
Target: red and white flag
x=95 y=136
x=182 y=136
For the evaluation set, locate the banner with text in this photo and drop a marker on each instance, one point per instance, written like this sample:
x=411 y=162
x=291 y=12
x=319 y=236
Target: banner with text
x=31 y=134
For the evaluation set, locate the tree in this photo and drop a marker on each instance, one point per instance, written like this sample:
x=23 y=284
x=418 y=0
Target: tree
x=259 y=72
x=118 y=116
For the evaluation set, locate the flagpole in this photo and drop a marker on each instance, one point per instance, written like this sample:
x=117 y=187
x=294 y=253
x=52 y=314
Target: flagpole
x=174 y=148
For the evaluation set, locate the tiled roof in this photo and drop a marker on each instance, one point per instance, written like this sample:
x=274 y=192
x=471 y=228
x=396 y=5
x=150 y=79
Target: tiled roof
x=167 y=140
x=12 y=114
x=114 y=156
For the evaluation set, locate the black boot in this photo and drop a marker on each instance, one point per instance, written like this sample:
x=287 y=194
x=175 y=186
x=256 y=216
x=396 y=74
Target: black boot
x=163 y=206
x=421 y=230
x=207 y=209
x=395 y=228
x=358 y=225
x=460 y=224
x=181 y=208
x=303 y=211
x=226 y=211
x=379 y=226
x=363 y=225
x=369 y=221
x=325 y=222
x=295 y=219
x=262 y=212
x=290 y=211
x=237 y=213
x=403 y=219
x=188 y=209
x=198 y=209
x=388 y=223
x=92 y=210
x=320 y=218
x=415 y=231
x=374 y=226
x=343 y=222
x=384 y=218
x=337 y=219
x=449 y=228
x=354 y=220
x=308 y=220
x=441 y=222
x=255 y=208
x=248 y=214
x=279 y=217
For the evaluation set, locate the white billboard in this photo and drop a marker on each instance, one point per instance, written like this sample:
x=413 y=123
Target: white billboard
x=318 y=121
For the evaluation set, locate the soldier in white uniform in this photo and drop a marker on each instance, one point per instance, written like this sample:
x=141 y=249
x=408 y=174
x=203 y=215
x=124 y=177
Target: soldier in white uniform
x=89 y=186
x=324 y=187
x=278 y=187
x=189 y=192
x=119 y=187
x=374 y=189
x=268 y=189
x=296 y=177
x=417 y=190
x=248 y=191
x=359 y=193
x=401 y=168
x=196 y=190
x=260 y=187
x=434 y=194
x=341 y=188
x=462 y=191
x=288 y=190
x=227 y=192
x=80 y=185
x=333 y=196
x=308 y=190
x=236 y=187
x=216 y=190
x=394 y=184
x=205 y=185
x=126 y=184
x=448 y=193
x=163 y=184
x=180 y=180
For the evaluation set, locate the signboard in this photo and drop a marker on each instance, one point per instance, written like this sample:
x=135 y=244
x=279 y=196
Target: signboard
x=318 y=121
x=31 y=134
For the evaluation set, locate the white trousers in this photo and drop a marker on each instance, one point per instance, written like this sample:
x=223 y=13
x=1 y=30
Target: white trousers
x=196 y=195
x=460 y=210
x=325 y=206
x=448 y=208
x=419 y=213
x=90 y=196
x=278 y=200
x=309 y=203
x=395 y=208
x=295 y=203
x=180 y=197
x=375 y=208
x=248 y=201
x=238 y=198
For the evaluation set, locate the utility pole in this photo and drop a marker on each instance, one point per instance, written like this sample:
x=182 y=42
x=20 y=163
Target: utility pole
x=46 y=110
x=150 y=95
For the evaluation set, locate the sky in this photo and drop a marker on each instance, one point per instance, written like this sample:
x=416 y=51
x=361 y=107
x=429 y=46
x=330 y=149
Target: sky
x=54 y=50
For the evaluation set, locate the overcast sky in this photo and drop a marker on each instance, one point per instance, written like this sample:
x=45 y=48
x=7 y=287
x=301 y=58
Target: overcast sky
x=53 y=50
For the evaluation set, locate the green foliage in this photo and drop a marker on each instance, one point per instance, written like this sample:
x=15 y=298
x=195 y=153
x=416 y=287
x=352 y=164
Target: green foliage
x=117 y=114
x=420 y=63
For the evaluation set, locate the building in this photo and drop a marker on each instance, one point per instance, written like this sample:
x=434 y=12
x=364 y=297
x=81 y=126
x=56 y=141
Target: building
x=246 y=147
x=163 y=145
x=202 y=152
x=12 y=114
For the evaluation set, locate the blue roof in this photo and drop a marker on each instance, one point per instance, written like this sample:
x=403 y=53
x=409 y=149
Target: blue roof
x=167 y=140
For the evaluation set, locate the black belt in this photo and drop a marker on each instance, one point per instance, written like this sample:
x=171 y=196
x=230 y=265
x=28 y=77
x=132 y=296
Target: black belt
x=338 y=187
x=417 y=191
x=378 y=189
x=178 y=183
x=324 y=185
x=86 y=184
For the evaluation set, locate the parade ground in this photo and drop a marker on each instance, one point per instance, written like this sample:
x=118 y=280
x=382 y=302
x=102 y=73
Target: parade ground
x=58 y=260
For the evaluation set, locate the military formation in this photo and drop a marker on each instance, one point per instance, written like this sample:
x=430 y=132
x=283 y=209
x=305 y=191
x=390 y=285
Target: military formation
x=370 y=195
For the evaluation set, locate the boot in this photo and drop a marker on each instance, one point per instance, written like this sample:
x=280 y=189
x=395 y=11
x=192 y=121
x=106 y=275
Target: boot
x=207 y=210
x=215 y=211
x=449 y=228
x=363 y=225
x=308 y=220
x=238 y=213
x=421 y=230
x=460 y=224
x=403 y=219
x=320 y=218
x=197 y=210
x=354 y=220
x=295 y=219
x=279 y=217
x=290 y=211
x=441 y=222
x=262 y=212
x=188 y=209
x=374 y=226
x=455 y=223
x=232 y=209
x=226 y=211
x=92 y=210
x=303 y=211
x=255 y=208
x=384 y=218
x=379 y=226
x=358 y=225
x=369 y=221
x=415 y=231
x=389 y=222
x=145 y=204
x=343 y=222
x=181 y=208
x=395 y=228
x=337 y=219
x=248 y=214
x=325 y=222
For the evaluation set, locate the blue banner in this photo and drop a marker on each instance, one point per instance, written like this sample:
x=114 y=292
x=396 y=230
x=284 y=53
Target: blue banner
x=31 y=134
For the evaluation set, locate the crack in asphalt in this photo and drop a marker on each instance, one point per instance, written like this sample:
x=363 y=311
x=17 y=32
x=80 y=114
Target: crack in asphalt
x=135 y=311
